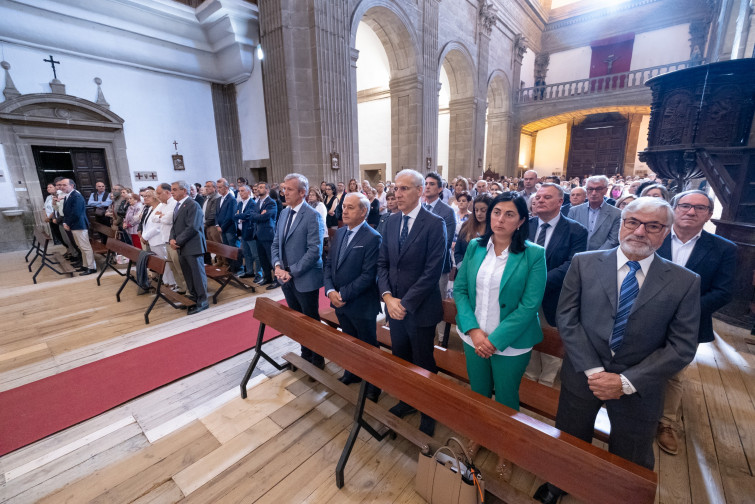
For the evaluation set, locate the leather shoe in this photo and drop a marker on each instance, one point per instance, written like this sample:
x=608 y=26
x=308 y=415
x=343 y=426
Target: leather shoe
x=666 y=438
x=348 y=379
x=545 y=495
x=265 y=281
x=81 y=268
x=273 y=286
x=373 y=394
x=88 y=272
x=258 y=279
x=401 y=409
x=427 y=425
x=198 y=308
x=246 y=275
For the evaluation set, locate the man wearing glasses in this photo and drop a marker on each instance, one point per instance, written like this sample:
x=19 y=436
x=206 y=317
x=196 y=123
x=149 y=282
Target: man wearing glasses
x=714 y=259
x=629 y=320
x=599 y=217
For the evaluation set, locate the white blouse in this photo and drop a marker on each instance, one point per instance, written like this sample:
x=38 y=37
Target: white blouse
x=488 y=286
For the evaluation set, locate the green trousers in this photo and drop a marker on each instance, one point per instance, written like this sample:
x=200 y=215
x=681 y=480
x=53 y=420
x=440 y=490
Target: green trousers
x=501 y=373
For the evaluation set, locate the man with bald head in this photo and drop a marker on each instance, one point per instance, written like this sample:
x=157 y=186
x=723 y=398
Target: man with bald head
x=530 y=187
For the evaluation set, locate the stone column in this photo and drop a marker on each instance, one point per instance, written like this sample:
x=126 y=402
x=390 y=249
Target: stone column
x=519 y=48
x=307 y=99
x=227 y=130
x=499 y=128
x=485 y=21
x=633 y=138
x=406 y=124
x=431 y=87
x=462 y=158
x=533 y=148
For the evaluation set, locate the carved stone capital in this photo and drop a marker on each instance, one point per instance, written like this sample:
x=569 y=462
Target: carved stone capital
x=487 y=17
x=542 y=61
x=520 y=47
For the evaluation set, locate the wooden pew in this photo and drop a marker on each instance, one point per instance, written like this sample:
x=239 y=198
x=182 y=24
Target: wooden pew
x=223 y=275
x=52 y=260
x=154 y=264
x=100 y=248
x=581 y=469
x=533 y=396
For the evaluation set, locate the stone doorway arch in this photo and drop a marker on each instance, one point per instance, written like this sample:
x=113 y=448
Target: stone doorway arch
x=53 y=120
x=498 y=123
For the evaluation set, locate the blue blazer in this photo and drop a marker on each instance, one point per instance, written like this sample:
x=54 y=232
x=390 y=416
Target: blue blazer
x=355 y=276
x=413 y=274
x=447 y=213
x=264 y=223
x=303 y=247
x=568 y=238
x=245 y=217
x=75 y=211
x=715 y=260
x=224 y=214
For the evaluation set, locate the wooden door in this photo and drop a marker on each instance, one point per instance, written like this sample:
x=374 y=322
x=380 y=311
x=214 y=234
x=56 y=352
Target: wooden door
x=597 y=148
x=90 y=167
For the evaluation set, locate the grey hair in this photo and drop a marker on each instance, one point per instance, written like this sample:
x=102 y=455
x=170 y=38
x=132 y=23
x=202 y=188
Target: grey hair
x=246 y=187
x=363 y=201
x=597 y=179
x=419 y=180
x=303 y=182
x=558 y=188
x=649 y=204
x=675 y=201
x=224 y=182
x=183 y=184
x=649 y=188
x=164 y=186
x=214 y=184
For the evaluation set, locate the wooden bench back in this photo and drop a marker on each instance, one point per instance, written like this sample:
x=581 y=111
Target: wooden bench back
x=583 y=470
x=154 y=263
x=103 y=229
x=222 y=250
x=41 y=236
x=550 y=345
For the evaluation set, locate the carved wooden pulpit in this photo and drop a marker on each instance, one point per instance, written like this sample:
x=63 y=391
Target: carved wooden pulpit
x=701 y=123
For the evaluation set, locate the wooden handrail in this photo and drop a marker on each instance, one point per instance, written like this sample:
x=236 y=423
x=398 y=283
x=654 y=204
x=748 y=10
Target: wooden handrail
x=154 y=263
x=585 y=471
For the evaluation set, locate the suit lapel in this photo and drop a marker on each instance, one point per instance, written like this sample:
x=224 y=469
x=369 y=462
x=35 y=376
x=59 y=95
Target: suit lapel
x=655 y=281
x=560 y=232
x=701 y=249
x=602 y=216
x=607 y=276
x=419 y=222
x=358 y=237
x=533 y=229
x=665 y=248
x=298 y=217
x=512 y=263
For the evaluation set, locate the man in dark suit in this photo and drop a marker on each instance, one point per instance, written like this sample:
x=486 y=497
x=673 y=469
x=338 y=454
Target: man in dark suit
x=75 y=220
x=264 y=215
x=601 y=219
x=715 y=260
x=209 y=209
x=351 y=278
x=433 y=204
x=243 y=219
x=297 y=254
x=562 y=238
x=226 y=209
x=187 y=237
x=195 y=194
x=628 y=319
x=409 y=269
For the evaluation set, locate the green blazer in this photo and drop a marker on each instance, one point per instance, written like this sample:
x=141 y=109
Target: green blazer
x=521 y=294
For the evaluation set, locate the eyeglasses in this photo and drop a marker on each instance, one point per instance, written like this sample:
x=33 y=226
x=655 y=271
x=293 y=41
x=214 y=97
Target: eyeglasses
x=650 y=227
x=684 y=207
x=592 y=189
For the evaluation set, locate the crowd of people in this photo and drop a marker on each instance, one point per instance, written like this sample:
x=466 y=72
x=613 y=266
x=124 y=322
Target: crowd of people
x=622 y=269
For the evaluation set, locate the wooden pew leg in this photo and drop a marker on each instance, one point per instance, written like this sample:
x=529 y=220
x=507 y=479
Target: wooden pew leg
x=157 y=296
x=258 y=352
x=359 y=422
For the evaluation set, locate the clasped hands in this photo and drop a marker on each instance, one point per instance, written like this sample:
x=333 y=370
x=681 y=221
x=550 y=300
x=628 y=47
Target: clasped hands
x=482 y=345
x=282 y=275
x=605 y=385
x=395 y=309
x=336 y=299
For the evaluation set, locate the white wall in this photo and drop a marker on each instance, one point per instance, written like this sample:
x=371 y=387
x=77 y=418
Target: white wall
x=528 y=69
x=525 y=148
x=251 y=107
x=659 y=47
x=550 y=148
x=375 y=134
x=157 y=109
x=373 y=69
x=571 y=65
x=7 y=194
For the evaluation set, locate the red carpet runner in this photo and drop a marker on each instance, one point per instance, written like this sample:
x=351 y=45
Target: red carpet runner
x=38 y=409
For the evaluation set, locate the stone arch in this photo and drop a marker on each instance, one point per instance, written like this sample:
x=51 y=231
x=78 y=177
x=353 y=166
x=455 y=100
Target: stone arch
x=458 y=64
x=498 y=122
x=395 y=31
x=56 y=120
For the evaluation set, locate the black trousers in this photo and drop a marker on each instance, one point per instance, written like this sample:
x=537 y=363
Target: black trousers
x=192 y=266
x=413 y=343
x=364 y=329
x=307 y=303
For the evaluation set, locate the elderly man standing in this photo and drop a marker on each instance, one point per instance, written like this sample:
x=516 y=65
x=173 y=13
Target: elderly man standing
x=350 y=278
x=187 y=238
x=409 y=270
x=209 y=208
x=226 y=226
x=297 y=254
x=530 y=188
x=626 y=336
x=562 y=238
x=715 y=260
x=75 y=220
x=163 y=215
x=601 y=219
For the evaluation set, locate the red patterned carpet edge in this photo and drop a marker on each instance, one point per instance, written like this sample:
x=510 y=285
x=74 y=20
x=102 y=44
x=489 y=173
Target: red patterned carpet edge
x=36 y=410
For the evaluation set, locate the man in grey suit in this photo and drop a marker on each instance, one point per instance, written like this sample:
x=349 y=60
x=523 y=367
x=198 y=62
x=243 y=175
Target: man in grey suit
x=433 y=204
x=629 y=321
x=297 y=254
x=209 y=208
x=601 y=219
x=187 y=237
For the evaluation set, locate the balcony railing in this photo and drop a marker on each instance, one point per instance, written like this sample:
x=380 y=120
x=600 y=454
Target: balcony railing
x=594 y=85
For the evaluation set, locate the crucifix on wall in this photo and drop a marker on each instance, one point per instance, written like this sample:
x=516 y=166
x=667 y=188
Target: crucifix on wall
x=610 y=61
x=52 y=63
x=178 y=159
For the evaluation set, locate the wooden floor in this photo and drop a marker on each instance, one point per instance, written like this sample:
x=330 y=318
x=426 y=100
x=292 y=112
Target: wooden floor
x=195 y=440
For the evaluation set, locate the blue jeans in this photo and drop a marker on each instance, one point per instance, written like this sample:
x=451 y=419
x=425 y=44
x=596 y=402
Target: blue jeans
x=251 y=257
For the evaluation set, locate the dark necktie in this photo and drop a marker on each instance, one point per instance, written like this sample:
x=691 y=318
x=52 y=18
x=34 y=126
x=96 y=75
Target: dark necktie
x=541 y=236
x=404 y=233
x=629 y=290
x=285 y=234
x=428 y=207
x=342 y=250
x=175 y=212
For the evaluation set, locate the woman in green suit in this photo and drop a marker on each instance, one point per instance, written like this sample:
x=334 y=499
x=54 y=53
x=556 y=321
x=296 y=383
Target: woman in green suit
x=498 y=291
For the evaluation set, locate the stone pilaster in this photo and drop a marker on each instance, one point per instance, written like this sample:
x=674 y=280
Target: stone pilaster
x=406 y=124
x=633 y=138
x=462 y=157
x=486 y=19
x=227 y=130
x=519 y=49
x=499 y=129
x=429 y=90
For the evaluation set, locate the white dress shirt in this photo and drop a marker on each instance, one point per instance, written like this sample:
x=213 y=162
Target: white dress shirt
x=412 y=217
x=681 y=251
x=165 y=220
x=549 y=231
x=487 y=310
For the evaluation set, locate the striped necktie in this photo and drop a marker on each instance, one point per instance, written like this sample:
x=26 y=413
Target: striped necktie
x=629 y=290
x=404 y=233
x=541 y=236
x=342 y=250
